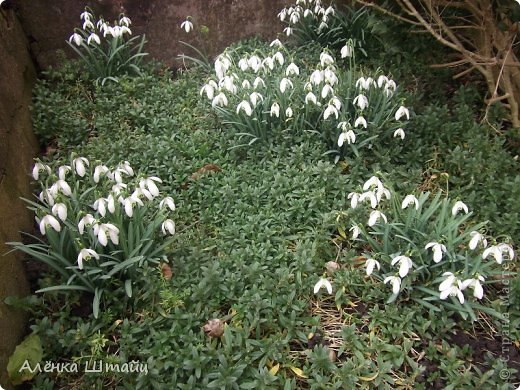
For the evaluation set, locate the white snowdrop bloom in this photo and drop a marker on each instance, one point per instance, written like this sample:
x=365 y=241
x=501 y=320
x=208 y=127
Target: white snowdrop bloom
x=323 y=25
x=268 y=62
x=371 y=264
x=380 y=192
x=87 y=220
x=308 y=12
x=79 y=165
x=187 y=26
x=228 y=82
x=101 y=231
x=61 y=186
x=49 y=220
x=316 y=77
x=405 y=265
x=86 y=254
x=348 y=136
x=459 y=205
x=374 y=181
x=47 y=196
x=255 y=97
x=288 y=31
x=402 y=111
x=382 y=80
x=331 y=109
x=335 y=102
x=330 y=76
x=294 y=18
x=354 y=199
x=258 y=81
x=326 y=90
x=88 y=25
x=289 y=112
x=361 y=121
x=409 y=199
x=347 y=50
x=99 y=170
x=125 y=21
x=282 y=14
x=323 y=283
x=220 y=100
x=292 y=68
x=438 y=250
x=126 y=168
x=255 y=63
x=245 y=106
x=276 y=43
x=76 y=38
x=246 y=84
x=284 y=83
x=375 y=215
x=85 y=15
x=100 y=206
x=451 y=286
x=371 y=196
x=474 y=283
x=361 y=101
x=508 y=249
x=495 y=252
x=310 y=98
x=356 y=231
x=326 y=59
x=93 y=37
x=275 y=110
x=395 y=281
x=39 y=167
x=477 y=238
x=363 y=84
x=128 y=204
x=168 y=227
x=329 y=11
x=149 y=184
x=60 y=210
x=118 y=187
x=399 y=133
x=168 y=202
x=243 y=65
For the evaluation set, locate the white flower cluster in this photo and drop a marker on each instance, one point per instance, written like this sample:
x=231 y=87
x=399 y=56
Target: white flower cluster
x=91 y=29
x=452 y=285
x=59 y=198
x=306 y=9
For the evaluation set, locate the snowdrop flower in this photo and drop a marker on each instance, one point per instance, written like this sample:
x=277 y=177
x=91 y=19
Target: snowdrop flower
x=396 y=283
x=374 y=217
x=125 y=21
x=39 y=167
x=282 y=14
x=508 y=249
x=438 y=250
x=244 y=105
x=408 y=199
x=405 y=264
x=276 y=43
x=209 y=89
x=79 y=165
x=62 y=171
x=100 y=206
x=335 y=102
x=331 y=109
x=86 y=254
x=228 y=83
x=168 y=201
x=187 y=26
x=380 y=192
x=275 y=110
x=98 y=171
x=451 y=286
x=149 y=183
x=118 y=187
x=87 y=24
x=399 y=133
x=495 y=252
x=60 y=210
x=330 y=76
x=85 y=15
x=316 y=77
x=307 y=13
x=326 y=90
x=363 y=83
x=126 y=168
x=477 y=238
x=257 y=82
x=459 y=206
x=371 y=196
x=47 y=196
x=478 y=291
x=284 y=83
x=323 y=283
x=279 y=57
x=269 y=62
x=128 y=204
x=255 y=63
x=354 y=199
x=168 y=226
x=222 y=64
x=246 y=84
x=347 y=50
x=382 y=80
x=361 y=101
x=87 y=220
x=370 y=264
x=288 y=31
x=255 y=97
x=329 y=11
x=93 y=37
x=78 y=39
x=220 y=100
x=402 y=111
x=289 y=112
x=49 y=220
x=326 y=59
x=61 y=186
x=373 y=182
x=355 y=231
x=361 y=121
x=243 y=65
x=294 y=18
x=310 y=97
x=101 y=232
x=292 y=68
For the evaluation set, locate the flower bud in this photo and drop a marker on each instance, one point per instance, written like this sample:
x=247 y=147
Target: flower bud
x=332 y=267
x=214 y=328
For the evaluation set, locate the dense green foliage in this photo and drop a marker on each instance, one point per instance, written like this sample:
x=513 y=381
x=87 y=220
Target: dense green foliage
x=255 y=227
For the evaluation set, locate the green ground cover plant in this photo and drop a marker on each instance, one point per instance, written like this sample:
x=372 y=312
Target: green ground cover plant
x=239 y=296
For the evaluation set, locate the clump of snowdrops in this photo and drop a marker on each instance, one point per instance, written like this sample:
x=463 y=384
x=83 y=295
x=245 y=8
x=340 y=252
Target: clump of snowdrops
x=106 y=50
x=100 y=224
x=424 y=247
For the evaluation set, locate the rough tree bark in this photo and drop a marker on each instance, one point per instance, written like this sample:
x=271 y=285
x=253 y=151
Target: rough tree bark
x=480 y=32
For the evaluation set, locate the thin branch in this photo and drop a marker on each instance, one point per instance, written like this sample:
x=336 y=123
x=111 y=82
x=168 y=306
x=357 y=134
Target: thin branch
x=387 y=12
x=450 y=64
